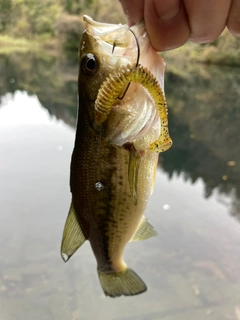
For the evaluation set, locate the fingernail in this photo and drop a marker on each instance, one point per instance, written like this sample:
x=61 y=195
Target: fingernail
x=169 y=10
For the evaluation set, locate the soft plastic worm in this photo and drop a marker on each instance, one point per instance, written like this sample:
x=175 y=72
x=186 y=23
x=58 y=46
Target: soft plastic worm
x=113 y=86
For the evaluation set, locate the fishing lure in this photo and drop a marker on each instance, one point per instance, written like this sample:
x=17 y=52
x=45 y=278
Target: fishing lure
x=113 y=86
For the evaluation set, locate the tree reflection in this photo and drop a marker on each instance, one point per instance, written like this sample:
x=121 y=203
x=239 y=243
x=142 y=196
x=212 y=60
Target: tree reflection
x=53 y=80
x=204 y=114
x=204 y=117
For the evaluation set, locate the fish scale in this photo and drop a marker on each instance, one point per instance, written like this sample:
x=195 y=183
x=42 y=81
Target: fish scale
x=110 y=183
x=104 y=204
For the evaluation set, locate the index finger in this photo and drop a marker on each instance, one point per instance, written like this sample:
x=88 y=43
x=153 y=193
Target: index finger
x=134 y=11
x=233 y=22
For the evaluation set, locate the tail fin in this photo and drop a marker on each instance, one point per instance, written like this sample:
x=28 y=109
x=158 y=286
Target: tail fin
x=126 y=283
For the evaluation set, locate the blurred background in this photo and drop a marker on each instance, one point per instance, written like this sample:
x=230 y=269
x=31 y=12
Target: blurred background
x=192 y=268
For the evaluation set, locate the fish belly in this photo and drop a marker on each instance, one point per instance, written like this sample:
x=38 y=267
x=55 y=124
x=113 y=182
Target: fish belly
x=107 y=214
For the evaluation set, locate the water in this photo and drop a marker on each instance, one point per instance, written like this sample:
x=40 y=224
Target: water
x=192 y=268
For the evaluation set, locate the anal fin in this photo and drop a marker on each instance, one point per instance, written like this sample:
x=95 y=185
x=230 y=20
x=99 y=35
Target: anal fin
x=144 y=231
x=73 y=236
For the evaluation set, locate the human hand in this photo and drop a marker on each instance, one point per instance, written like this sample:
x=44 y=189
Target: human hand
x=170 y=23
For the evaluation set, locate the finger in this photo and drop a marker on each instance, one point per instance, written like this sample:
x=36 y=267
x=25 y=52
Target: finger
x=166 y=23
x=133 y=10
x=233 y=22
x=207 y=18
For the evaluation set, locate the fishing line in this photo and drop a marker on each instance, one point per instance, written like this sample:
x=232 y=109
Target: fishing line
x=138 y=57
x=137 y=61
x=138 y=46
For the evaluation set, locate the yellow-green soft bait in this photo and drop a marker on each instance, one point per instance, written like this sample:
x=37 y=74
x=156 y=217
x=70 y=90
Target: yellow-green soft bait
x=112 y=88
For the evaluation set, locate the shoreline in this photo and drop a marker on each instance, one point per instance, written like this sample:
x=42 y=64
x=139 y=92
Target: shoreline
x=224 y=51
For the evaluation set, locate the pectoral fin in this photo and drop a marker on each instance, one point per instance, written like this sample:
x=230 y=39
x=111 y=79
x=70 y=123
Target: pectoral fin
x=144 y=231
x=133 y=166
x=73 y=236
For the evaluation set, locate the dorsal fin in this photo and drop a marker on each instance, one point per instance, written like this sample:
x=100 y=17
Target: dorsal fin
x=73 y=236
x=144 y=231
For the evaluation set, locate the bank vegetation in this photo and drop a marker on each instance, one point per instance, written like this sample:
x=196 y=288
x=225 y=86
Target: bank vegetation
x=55 y=27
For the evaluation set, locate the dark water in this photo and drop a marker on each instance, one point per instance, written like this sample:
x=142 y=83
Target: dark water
x=192 y=268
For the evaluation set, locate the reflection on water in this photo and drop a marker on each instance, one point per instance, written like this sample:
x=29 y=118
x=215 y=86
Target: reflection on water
x=21 y=109
x=205 y=115
x=192 y=268
x=52 y=80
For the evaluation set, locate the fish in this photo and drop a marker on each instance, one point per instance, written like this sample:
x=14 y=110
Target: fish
x=122 y=126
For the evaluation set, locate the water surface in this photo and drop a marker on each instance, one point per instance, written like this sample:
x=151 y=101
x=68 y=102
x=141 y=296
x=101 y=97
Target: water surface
x=192 y=268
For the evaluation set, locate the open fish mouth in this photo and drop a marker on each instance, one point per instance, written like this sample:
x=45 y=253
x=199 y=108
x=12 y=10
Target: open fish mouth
x=110 y=37
x=135 y=113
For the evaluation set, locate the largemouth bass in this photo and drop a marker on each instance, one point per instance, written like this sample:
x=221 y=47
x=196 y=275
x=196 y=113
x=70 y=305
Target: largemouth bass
x=122 y=126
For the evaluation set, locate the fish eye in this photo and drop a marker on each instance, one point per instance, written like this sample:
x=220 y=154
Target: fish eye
x=89 y=64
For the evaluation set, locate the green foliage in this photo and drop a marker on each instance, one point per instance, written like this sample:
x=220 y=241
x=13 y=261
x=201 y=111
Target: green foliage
x=5 y=14
x=70 y=28
x=59 y=19
x=28 y=18
x=224 y=50
x=77 y=7
x=10 y=44
x=62 y=20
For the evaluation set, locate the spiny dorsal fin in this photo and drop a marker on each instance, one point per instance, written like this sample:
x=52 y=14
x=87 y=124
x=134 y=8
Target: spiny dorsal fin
x=73 y=236
x=124 y=283
x=144 y=231
x=133 y=166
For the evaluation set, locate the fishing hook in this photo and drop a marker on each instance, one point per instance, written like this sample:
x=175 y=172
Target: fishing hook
x=138 y=47
x=114 y=45
x=138 y=57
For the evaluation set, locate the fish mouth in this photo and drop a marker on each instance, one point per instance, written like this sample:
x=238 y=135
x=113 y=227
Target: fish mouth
x=115 y=41
x=113 y=34
x=102 y=26
x=135 y=116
